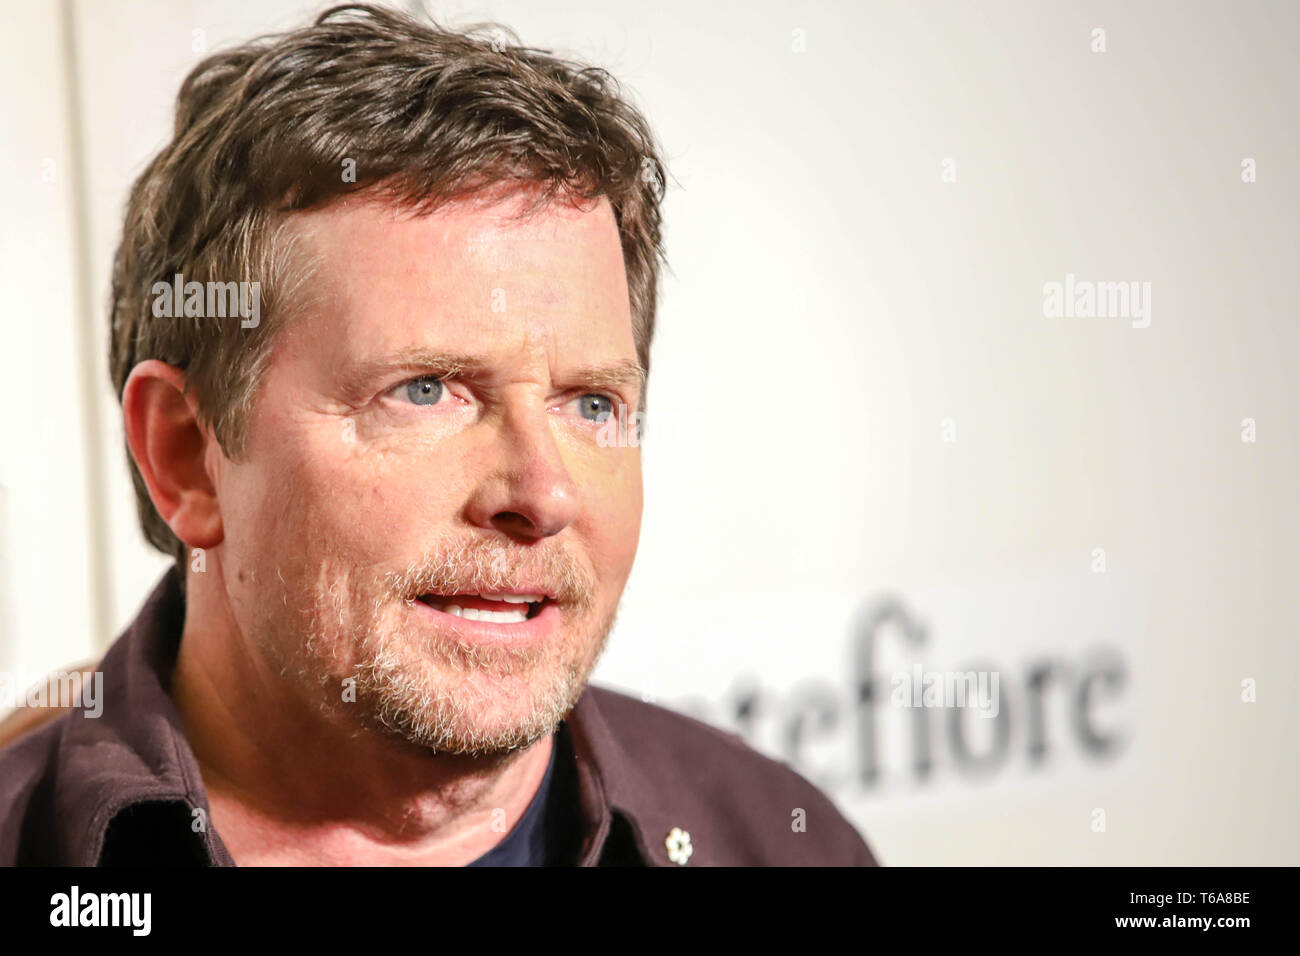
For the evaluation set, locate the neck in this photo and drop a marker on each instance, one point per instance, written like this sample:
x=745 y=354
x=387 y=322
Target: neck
x=290 y=783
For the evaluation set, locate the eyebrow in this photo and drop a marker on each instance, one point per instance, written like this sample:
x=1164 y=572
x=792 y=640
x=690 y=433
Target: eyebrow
x=614 y=375
x=442 y=364
x=450 y=364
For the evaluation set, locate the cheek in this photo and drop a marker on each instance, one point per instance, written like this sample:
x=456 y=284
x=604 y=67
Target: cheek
x=613 y=518
x=307 y=496
x=376 y=506
x=264 y=507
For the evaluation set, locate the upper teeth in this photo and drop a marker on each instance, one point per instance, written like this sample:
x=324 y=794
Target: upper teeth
x=496 y=617
x=514 y=598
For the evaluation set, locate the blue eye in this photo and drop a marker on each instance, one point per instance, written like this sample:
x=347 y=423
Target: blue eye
x=595 y=408
x=426 y=390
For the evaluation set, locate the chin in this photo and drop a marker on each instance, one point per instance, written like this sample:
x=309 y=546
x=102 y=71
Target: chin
x=451 y=731
x=476 y=713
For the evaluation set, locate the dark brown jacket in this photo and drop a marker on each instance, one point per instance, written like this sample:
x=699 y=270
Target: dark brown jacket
x=125 y=786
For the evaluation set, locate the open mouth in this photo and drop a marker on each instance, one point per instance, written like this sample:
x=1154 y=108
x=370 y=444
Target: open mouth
x=492 y=608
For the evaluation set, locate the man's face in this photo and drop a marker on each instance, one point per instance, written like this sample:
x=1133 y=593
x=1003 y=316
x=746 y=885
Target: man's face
x=423 y=456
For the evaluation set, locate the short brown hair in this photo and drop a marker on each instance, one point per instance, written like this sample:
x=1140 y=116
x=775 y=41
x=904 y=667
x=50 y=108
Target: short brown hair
x=425 y=115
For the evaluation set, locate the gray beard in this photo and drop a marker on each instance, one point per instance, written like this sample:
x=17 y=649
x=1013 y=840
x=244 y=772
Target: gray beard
x=396 y=698
x=438 y=694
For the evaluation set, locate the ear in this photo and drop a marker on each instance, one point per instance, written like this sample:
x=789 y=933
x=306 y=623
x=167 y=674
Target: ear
x=169 y=446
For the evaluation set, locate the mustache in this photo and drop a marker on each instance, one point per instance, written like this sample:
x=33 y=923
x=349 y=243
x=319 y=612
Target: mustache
x=484 y=566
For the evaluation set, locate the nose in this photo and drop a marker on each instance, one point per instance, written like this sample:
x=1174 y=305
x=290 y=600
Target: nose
x=528 y=493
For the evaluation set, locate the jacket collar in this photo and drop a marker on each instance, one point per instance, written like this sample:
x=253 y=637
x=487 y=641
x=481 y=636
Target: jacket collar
x=136 y=751
x=613 y=784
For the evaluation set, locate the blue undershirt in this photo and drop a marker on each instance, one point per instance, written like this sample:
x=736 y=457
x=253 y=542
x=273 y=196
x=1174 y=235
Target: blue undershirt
x=526 y=844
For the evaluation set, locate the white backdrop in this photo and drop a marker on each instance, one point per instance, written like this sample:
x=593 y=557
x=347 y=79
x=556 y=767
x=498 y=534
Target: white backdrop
x=860 y=398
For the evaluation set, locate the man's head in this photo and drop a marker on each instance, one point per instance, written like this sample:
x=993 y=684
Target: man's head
x=396 y=475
